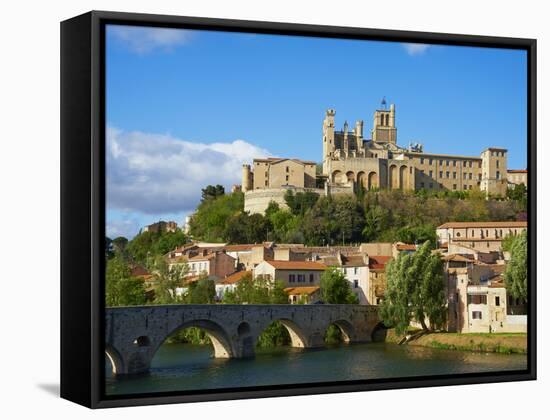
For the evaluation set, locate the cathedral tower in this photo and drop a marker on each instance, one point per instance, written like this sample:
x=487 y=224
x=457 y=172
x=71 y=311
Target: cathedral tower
x=384 y=130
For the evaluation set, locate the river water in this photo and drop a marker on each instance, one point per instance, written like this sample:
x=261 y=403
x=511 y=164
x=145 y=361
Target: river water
x=185 y=367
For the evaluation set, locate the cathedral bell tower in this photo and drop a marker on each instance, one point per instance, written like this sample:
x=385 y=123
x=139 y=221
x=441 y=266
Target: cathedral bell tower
x=384 y=130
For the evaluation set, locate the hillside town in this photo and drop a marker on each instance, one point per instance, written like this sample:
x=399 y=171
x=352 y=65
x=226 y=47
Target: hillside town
x=474 y=264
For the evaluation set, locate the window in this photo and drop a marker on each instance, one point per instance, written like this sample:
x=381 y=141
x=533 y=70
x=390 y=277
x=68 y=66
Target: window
x=311 y=278
x=287 y=169
x=465 y=163
x=447 y=163
x=470 y=187
x=470 y=164
x=465 y=187
x=422 y=171
x=447 y=174
x=454 y=175
x=355 y=270
x=421 y=185
x=440 y=174
x=497 y=300
x=454 y=186
x=422 y=161
x=458 y=234
x=465 y=175
x=431 y=161
x=291 y=278
x=498 y=175
x=355 y=284
x=454 y=162
x=477 y=299
x=476 y=314
x=301 y=278
x=431 y=184
x=431 y=174
x=266 y=183
x=498 y=163
x=440 y=163
x=470 y=175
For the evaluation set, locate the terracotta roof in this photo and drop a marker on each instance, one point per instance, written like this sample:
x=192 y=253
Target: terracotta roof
x=297 y=265
x=235 y=277
x=203 y=257
x=240 y=247
x=275 y=160
x=458 y=257
x=517 y=171
x=353 y=261
x=482 y=224
x=303 y=290
x=378 y=261
x=405 y=247
x=139 y=271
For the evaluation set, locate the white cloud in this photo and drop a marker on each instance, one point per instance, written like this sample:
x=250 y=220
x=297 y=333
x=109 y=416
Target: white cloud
x=155 y=174
x=415 y=49
x=143 y=40
x=127 y=227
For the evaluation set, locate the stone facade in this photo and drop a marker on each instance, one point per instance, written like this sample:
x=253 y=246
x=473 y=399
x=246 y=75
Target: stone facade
x=516 y=177
x=380 y=163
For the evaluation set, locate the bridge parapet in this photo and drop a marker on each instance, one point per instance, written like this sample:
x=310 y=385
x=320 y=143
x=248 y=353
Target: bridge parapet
x=134 y=334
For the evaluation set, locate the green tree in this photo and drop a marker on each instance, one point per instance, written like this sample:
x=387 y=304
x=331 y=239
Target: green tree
x=212 y=217
x=515 y=275
x=211 y=192
x=376 y=222
x=417 y=234
x=167 y=279
x=415 y=291
x=201 y=291
x=119 y=245
x=519 y=194
x=121 y=289
x=335 y=288
x=300 y=202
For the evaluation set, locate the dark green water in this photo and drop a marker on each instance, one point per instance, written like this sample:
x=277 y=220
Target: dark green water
x=184 y=367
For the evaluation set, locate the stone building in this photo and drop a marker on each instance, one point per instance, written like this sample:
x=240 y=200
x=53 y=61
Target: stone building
x=379 y=162
x=517 y=177
x=350 y=160
x=291 y=273
x=477 y=236
x=161 y=226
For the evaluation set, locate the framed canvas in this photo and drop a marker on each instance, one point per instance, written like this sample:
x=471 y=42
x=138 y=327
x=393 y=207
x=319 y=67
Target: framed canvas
x=256 y=209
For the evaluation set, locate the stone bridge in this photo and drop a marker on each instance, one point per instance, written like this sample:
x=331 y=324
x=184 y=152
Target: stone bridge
x=134 y=334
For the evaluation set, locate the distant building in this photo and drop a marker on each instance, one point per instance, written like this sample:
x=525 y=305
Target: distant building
x=161 y=226
x=229 y=283
x=215 y=265
x=517 y=177
x=478 y=236
x=303 y=294
x=291 y=273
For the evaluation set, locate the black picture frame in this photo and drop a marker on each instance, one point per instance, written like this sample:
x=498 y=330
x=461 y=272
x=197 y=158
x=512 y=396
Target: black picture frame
x=83 y=206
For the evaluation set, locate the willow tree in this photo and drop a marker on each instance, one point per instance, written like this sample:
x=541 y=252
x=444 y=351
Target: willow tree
x=515 y=275
x=415 y=291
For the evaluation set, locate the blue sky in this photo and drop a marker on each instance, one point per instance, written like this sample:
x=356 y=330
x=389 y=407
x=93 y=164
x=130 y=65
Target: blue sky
x=211 y=100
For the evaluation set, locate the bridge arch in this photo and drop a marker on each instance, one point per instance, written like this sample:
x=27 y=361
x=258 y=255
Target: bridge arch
x=379 y=332
x=346 y=329
x=117 y=363
x=217 y=334
x=298 y=338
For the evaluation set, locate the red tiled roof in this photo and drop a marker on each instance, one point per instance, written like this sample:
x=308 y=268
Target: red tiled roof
x=378 y=261
x=301 y=290
x=235 y=277
x=517 y=171
x=240 y=247
x=405 y=247
x=139 y=271
x=483 y=225
x=297 y=265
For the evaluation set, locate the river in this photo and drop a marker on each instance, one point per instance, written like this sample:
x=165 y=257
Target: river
x=186 y=367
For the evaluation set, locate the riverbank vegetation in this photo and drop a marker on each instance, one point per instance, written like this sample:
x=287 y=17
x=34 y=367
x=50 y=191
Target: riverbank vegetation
x=505 y=343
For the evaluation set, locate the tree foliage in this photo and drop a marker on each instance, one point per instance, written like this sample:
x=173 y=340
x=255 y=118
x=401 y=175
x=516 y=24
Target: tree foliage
x=146 y=246
x=121 y=289
x=335 y=288
x=515 y=275
x=257 y=290
x=167 y=279
x=415 y=291
x=201 y=291
x=211 y=192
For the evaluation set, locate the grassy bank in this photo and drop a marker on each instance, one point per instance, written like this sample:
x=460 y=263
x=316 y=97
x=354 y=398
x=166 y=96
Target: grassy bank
x=505 y=343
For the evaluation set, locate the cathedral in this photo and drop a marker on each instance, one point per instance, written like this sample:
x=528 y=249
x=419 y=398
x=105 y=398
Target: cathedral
x=351 y=161
x=379 y=162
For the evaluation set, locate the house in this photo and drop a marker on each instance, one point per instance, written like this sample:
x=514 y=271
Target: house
x=230 y=283
x=303 y=294
x=356 y=270
x=377 y=278
x=248 y=256
x=215 y=264
x=478 y=236
x=291 y=273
